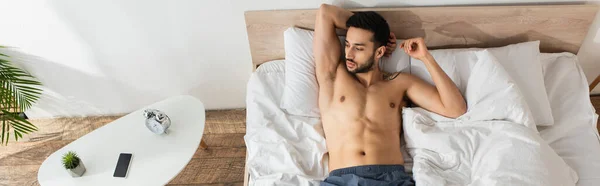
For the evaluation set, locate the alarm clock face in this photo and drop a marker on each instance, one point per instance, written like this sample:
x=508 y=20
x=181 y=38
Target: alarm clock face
x=155 y=126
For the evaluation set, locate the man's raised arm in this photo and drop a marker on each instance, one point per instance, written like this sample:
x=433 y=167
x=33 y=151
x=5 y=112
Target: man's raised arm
x=327 y=49
x=445 y=98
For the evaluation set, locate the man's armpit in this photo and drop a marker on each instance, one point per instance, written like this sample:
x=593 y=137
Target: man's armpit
x=409 y=102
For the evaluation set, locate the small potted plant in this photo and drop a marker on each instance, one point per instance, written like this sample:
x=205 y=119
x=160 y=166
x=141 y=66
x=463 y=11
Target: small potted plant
x=73 y=164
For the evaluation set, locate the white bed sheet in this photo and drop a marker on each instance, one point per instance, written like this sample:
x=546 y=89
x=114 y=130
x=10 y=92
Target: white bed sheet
x=282 y=149
x=272 y=134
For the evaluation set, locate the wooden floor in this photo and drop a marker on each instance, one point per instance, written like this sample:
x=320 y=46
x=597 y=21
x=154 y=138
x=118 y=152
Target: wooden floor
x=221 y=164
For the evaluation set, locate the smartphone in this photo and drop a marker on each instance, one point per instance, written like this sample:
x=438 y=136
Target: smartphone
x=122 y=165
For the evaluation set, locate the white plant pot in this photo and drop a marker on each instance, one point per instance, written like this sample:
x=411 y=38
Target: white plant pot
x=77 y=171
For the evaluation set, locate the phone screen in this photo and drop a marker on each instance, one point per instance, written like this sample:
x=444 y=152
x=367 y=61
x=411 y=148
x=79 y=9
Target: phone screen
x=122 y=165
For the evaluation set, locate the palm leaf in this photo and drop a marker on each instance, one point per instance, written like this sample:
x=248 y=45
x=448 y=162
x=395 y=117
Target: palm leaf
x=20 y=126
x=20 y=85
x=4 y=125
x=18 y=92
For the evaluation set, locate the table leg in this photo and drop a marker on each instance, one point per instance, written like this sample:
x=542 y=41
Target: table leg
x=203 y=145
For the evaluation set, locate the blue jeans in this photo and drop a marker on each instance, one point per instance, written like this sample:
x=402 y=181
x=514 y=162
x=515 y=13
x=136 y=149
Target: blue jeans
x=369 y=175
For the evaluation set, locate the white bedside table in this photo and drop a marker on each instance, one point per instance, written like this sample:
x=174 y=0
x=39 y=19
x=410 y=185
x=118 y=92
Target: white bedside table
x=156 y=159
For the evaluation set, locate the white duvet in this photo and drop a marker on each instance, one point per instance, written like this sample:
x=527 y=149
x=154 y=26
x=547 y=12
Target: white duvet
x=282 y=149
x=494 y=143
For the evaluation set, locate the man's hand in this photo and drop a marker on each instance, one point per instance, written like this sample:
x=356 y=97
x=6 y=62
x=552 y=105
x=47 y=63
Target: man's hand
x=415 y=48
x=391 y=46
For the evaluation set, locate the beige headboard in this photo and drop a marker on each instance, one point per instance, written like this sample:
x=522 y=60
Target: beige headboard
x=559 y=27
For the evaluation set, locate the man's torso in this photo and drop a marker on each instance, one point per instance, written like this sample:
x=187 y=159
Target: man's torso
x=363 y=124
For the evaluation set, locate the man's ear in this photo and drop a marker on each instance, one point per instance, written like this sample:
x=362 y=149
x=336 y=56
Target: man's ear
x=380 y=51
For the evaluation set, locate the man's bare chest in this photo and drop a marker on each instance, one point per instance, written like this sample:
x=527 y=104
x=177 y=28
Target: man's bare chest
x=376 y=101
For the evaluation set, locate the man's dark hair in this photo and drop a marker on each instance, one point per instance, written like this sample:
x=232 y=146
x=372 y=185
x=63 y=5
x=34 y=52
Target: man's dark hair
x=373 y=22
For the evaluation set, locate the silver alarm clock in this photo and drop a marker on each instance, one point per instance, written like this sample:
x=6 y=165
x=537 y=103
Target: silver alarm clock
x=157 y=121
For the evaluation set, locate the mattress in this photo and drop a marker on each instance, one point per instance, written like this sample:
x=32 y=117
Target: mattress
x=290 y=150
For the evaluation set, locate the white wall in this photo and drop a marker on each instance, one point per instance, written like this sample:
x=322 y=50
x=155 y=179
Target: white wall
x=114 y=56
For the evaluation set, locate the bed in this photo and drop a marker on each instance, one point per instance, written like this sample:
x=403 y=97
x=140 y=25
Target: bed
x=560 y=28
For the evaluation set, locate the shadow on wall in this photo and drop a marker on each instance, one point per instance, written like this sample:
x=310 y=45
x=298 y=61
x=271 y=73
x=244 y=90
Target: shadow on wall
x=64 y=92
x=409 y=25
x=465 y=30
x=462 y=34
x=183 y=49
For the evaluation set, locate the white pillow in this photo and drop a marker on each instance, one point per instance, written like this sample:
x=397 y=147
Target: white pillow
x=573 y=136
x=301 y=91
x=521 y=60
x=492 y=94
x=277 y=65
x=567 y=87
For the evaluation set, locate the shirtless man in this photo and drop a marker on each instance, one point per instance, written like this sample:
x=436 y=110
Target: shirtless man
x=361 y=107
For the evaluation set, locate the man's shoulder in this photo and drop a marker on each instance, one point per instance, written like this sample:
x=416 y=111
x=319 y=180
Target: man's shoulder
x=400 y=80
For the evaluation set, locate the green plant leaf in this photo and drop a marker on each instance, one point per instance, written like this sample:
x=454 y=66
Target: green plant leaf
x=20 y=84
x=17 y=121
x=4 y=125
x=20 y=126
x=18 y=92
x=70 y=160
x=20 y=135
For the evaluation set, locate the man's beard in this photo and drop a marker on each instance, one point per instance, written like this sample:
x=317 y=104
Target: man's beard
x=363 y=68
